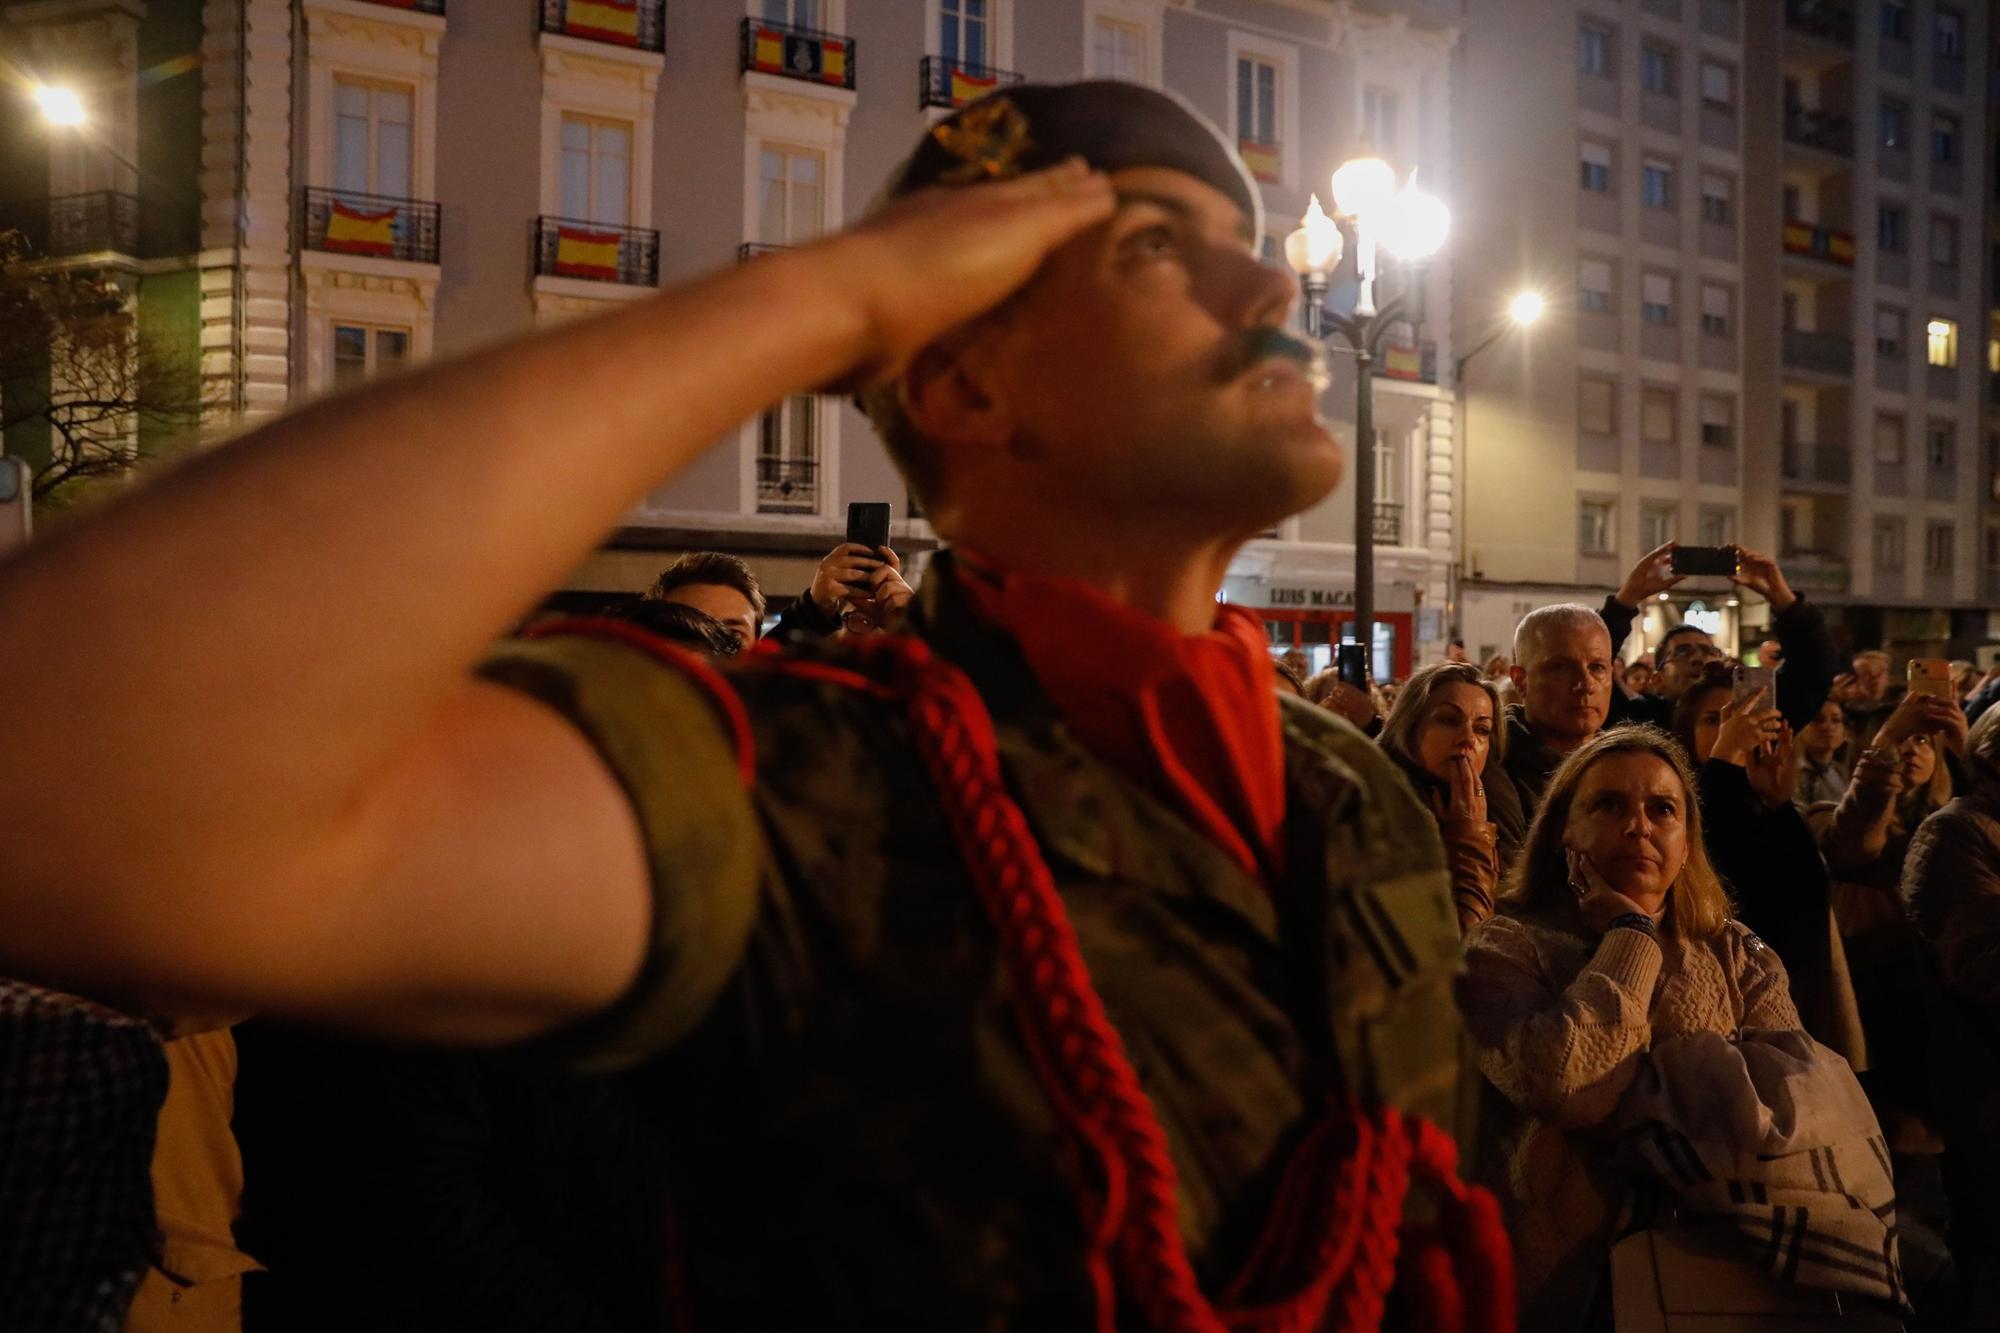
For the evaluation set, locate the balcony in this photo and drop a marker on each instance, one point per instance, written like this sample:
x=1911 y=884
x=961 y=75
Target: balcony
x=103 y=221
x=1824 y=131
x=786 y=485
x=568 y=248
x=750 y=250
x=947 y=82
x=375 y=226
x=639 y=24
x=1410 y=363
x=1388 y=523
x=1828 y=20
x=1815 y=571
x=796 y=53
x=1820 y=353
x=1827 y=464
x=1827 y=244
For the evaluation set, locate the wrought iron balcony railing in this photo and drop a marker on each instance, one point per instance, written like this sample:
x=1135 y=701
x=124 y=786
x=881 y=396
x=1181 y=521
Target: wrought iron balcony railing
x=102 y=221
x=1388 y=523
x=749 y=250
x=639 y=24
x=570 y=248
x=797 y=53
x=1803 y=461
x=787 y=485
x=378 y=226
x=1829 y=20
x=1817 y=242
x=1824 y=130
x=947 y=81
x=1825 y=353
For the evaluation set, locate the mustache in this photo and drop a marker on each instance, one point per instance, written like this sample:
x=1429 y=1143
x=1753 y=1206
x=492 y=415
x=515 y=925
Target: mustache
x=1250 y=348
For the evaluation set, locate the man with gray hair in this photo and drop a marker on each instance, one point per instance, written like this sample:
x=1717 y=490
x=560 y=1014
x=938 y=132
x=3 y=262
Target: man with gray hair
x=1562 y=674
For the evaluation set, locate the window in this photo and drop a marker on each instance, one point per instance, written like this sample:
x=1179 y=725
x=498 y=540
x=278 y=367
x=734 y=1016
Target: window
x=1256 y=99
x=963 y=31
x=789 y=197
x=1594 y=527
x=1993 y=356
x=1658 y=413
x=797 y=13
x=1715 y=312
x=1944 y=138
x=371 y=138
x=1943 y=342
x=1938 y=556
x=1893 y=119
x=1718 y=422
x=1941 y=446
x=1888 y=543
x=1718 y=84
x=1889 y=439
x=1718 y=526
x=1890 y=231
x=1596 y=405
x=788 y=457
x=1118 y=50
x=1656 y=182
x=1593 y=50
x=1657 y=299
x=364 y=351
x=1593 y=282
x=1596 y=168
x=1717 y=198
x=1944 y=240
x=596 y=170
x=1656 y=525
x=1896 y=20
x=1891 y=331
x=1656 y=68
x=1948 y=34
x=1992 y=551
x=1378 y=119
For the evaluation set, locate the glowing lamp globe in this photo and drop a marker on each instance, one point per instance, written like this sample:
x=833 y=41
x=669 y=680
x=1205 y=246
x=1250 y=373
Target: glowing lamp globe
x=60 y=106
x=1363 y=185
x=1315 y=246
x=1416 y=226
x=1526 y=308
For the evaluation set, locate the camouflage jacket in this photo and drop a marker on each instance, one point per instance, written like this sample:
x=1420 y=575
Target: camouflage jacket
x=823 y=1028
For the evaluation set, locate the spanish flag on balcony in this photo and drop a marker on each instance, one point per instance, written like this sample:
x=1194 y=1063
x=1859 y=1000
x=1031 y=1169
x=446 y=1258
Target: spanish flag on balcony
x=1402 y=362
x=582 y=253
x=603 y=20
x=1798 y=238
x=1839 y=247
x=832 y=60
x=355 y=231
x=968 y=88
x=1261 y=158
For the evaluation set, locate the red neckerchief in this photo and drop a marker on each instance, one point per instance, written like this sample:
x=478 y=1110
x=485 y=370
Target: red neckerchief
x=1192 y=718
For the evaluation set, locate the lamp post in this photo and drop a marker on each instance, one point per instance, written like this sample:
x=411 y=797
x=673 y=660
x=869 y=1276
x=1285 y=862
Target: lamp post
x=1412 y=226
x=1524 y=310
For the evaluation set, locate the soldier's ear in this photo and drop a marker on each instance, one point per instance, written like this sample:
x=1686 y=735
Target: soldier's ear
x=951 y=401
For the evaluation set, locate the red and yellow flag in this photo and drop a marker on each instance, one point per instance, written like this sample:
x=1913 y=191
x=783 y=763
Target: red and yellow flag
x=1402 y=362
x=581 y=253
x=1798 y=238
x=1839 y=247
x=354 y=231
x=769 y=54
x=604 y=20
x=1261 y=158
x=968 y=88
x=833 y=61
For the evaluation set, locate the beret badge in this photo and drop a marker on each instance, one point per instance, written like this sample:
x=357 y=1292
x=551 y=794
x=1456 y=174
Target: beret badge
x=988 y=141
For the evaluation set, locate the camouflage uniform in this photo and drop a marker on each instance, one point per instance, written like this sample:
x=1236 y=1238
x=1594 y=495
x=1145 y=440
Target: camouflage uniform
x=858 y=1136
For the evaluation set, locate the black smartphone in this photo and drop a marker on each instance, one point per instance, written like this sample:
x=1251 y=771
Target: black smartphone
x=1352 y=662
x=868 y=523
x=1704 y=560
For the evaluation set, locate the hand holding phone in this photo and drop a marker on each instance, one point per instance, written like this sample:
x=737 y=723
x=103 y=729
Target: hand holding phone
x=1749 y=680
x=1932 y=676
x=1704 y=560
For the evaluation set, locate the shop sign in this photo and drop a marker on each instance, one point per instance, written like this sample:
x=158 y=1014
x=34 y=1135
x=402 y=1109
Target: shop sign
x=1315 y=597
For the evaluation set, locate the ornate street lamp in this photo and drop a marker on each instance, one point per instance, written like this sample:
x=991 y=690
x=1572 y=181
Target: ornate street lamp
x=1412 y=226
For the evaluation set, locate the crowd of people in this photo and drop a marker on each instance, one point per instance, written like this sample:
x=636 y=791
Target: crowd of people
x=1022 y=950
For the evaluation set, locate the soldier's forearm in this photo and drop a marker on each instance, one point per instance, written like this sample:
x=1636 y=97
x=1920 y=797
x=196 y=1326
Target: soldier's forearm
x=247 y=640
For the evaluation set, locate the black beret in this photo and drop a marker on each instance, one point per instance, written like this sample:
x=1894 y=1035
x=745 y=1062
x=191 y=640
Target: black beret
x=1108 y=123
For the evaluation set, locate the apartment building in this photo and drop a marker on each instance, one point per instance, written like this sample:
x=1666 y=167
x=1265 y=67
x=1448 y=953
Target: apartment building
x=1760 y=258
x=319 y=192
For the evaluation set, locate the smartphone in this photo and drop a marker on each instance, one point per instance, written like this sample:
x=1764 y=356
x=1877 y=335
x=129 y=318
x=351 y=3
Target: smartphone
x=1751 y=679
x=868 y=523
x=1931 y=675
x=1704 y=560
x=1353 y=665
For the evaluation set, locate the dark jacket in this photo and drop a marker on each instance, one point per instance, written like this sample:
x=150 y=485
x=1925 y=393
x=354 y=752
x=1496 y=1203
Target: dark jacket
x=1477 y=855
x=804 y=619
x=1803 y=680
x=1529 y=764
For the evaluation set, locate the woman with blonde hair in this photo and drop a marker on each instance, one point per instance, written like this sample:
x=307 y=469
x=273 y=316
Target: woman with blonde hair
x=1448 y=735
x=1616 y=1004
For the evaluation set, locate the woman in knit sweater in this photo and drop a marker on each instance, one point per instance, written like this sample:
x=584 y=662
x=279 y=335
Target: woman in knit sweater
x=1612 y=935
x=1446 y=734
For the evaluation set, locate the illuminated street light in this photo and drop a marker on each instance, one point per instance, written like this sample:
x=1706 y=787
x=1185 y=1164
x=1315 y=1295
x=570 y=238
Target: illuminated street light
x=60 y=106
x=1526 y=308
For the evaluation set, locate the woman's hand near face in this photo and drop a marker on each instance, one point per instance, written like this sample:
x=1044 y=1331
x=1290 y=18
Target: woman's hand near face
x=1464 y=796
x=1600 y=903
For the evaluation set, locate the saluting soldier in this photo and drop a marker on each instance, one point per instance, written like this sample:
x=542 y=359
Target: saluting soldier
x=1039 y=968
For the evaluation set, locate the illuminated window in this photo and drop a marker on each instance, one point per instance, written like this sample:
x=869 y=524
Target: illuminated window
x=1943 y=340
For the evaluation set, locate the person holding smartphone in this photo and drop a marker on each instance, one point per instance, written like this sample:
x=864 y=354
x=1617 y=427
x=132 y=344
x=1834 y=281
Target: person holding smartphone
x=856 y=588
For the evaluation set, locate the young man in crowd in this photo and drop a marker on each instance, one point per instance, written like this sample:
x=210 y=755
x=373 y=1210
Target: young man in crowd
x=716 y=584
x=924 y=1056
